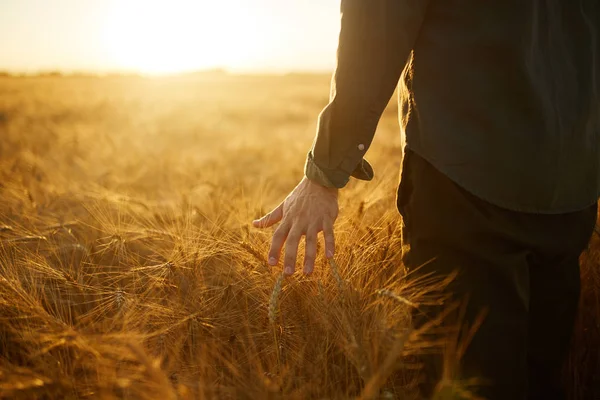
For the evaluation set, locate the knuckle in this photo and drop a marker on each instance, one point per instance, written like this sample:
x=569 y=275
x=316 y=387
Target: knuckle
x=290 y=254
x=291 y=248
x=290 y=260
x=274 y=250
x=276 y=244
x=294 y=236
x=280 y=232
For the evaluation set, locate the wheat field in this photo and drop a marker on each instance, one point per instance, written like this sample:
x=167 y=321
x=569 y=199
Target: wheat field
x=129 y=267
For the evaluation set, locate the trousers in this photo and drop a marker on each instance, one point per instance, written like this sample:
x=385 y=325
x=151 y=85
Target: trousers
x=516 y=278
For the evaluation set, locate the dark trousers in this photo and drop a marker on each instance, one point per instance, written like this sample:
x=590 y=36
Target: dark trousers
x=521 y=269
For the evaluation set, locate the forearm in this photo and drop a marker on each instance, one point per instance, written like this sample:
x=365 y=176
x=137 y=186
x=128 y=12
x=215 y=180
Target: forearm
x=375 y=41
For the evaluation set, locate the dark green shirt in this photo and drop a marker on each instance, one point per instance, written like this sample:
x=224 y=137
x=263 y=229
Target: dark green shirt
x=467 y=103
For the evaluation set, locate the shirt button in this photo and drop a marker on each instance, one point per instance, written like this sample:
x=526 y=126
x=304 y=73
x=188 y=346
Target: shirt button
x=361 y=147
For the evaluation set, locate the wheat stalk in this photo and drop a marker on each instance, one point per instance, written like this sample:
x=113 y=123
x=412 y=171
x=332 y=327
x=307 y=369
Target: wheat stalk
x=389 y=293
x=252 y=251
x=336 y=274
x=274 y=301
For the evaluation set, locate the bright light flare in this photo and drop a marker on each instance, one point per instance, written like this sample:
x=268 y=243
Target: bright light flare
x=159 y=37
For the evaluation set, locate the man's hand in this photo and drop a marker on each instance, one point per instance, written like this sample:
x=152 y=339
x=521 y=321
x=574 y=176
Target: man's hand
x=309 y=209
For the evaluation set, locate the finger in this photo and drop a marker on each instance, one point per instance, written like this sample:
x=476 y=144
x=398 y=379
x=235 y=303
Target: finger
x=270 y=219
x=329 y=237
x=279 y=237
x=291 y=251
x=310 y=251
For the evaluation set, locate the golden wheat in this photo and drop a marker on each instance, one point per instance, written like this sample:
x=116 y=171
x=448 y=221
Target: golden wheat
x=128 y=267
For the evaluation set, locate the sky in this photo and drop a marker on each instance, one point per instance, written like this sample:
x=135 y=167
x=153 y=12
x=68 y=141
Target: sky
x=168 y=36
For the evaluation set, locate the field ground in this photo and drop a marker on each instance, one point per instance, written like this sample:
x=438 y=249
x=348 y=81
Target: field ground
x=128 y=267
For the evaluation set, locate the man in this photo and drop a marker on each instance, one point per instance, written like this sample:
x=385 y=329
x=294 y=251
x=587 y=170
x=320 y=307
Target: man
x=501 y=174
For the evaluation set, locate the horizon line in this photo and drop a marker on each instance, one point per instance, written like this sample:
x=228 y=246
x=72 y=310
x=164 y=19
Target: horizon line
x=129 y=72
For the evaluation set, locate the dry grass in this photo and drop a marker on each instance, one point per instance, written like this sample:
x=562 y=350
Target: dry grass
x=128 y=267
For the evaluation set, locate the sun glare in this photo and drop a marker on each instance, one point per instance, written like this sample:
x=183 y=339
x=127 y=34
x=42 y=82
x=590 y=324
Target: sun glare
x=161 y=37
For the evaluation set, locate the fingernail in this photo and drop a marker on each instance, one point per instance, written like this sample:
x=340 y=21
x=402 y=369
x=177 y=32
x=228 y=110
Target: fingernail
x=272 y=261
x=329 y=253
x=288 y=270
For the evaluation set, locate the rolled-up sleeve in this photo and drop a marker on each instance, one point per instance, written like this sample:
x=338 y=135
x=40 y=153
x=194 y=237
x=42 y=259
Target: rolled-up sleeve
x=376 y=39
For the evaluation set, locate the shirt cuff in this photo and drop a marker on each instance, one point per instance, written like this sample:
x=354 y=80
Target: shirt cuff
x=336 y=178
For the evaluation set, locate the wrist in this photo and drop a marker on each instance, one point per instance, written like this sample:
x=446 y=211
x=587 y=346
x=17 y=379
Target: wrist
x=319 y=186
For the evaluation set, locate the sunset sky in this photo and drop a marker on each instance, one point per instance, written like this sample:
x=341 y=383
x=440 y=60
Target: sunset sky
x=167 y=36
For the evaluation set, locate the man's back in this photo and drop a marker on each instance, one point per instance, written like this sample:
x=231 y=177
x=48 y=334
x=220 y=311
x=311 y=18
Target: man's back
x=469 y=108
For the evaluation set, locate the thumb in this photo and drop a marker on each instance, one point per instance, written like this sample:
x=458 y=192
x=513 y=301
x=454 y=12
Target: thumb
x=270 y=219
